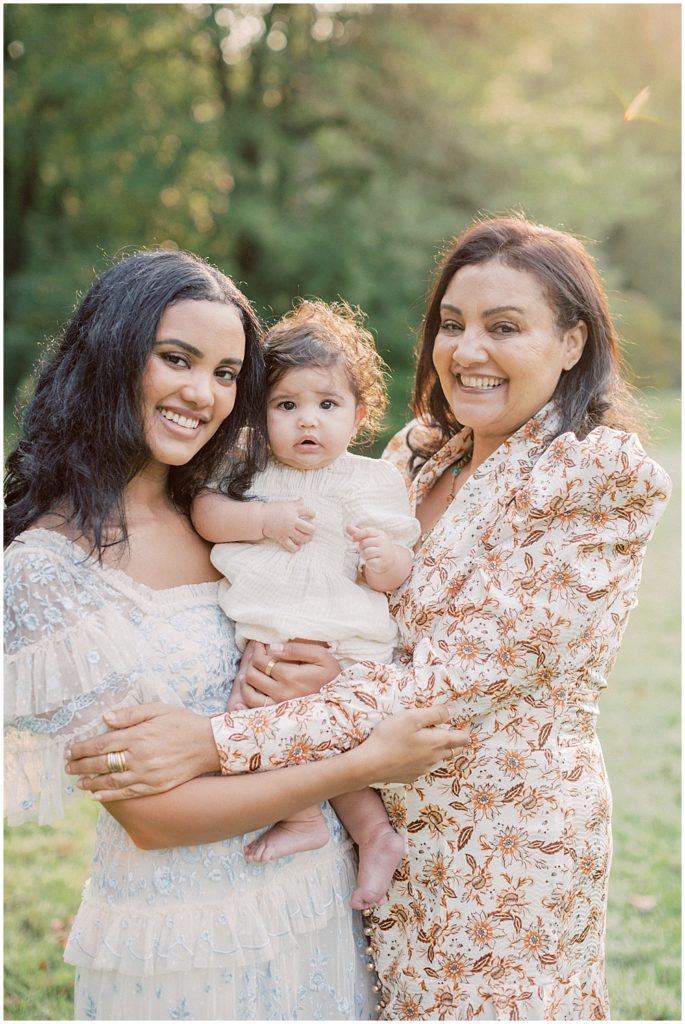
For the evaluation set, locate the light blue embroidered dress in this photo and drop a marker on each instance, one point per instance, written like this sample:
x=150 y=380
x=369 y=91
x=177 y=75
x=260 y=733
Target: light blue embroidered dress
x=191 y=933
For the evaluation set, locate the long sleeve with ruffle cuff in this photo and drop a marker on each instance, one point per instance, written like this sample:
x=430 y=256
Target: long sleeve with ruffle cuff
x=518 y=605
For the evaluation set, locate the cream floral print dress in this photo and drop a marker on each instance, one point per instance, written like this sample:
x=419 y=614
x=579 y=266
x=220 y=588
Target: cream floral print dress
x=514 y=610
x=192 y=933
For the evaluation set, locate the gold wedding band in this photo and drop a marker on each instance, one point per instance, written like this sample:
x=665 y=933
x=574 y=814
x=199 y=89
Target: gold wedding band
x=270 y=665
x=116 y=762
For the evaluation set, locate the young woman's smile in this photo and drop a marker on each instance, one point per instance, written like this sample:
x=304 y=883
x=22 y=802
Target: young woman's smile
x=189 y=381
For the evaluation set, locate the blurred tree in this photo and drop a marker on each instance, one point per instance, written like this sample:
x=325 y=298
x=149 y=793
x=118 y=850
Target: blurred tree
x=330 y=149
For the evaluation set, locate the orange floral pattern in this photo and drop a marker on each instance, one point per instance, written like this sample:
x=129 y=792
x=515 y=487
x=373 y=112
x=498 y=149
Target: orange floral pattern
x=514 y=610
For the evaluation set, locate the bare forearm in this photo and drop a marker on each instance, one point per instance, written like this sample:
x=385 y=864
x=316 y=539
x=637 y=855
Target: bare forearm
x=220 y=519
x=213 y=808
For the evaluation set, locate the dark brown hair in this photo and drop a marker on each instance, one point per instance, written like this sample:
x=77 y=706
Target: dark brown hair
x=82 y=437
x=319 y=334
x=593 y=392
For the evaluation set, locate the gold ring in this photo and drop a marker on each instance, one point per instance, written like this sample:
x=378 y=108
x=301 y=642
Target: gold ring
x=270 y=665
x=116 y=762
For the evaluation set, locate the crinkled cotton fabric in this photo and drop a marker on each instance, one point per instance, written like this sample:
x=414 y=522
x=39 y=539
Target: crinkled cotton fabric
x=275 y=595
x=190 y=933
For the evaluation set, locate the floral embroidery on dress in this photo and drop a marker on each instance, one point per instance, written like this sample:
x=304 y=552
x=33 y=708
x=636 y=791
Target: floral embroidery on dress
x=185 y=933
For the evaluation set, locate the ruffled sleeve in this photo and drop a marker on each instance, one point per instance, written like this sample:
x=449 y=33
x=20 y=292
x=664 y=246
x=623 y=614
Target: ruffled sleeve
x=378 y=497
x=539 y=599
x=71 y=653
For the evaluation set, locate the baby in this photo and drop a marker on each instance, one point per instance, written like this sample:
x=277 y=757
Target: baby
x=330 y=534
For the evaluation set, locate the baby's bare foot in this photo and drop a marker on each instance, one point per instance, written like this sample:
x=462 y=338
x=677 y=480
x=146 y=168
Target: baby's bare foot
x=288 y=837
x=378 y=858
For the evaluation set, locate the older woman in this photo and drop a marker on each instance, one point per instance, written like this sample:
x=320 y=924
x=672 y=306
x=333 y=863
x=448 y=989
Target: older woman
x=536 y=505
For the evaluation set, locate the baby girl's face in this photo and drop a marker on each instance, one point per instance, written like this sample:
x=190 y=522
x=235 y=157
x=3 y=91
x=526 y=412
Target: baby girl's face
x=312 y=415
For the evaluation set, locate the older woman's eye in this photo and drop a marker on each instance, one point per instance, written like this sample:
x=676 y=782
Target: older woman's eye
x=505 y=328
x=450 y=326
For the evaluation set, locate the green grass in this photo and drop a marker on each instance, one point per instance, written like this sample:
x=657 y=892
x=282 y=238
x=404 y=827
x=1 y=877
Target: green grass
x=45 y=869
x=640 y=731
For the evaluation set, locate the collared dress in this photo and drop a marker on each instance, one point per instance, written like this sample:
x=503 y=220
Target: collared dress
x=189 y=933
x=514 y=611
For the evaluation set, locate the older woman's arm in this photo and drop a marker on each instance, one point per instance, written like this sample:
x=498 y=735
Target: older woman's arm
x=543 y=603
x=209 y=809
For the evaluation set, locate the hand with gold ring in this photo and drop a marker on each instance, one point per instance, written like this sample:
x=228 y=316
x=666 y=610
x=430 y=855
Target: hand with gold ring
x=244 y=696
x=285 y=671
x=116 y=762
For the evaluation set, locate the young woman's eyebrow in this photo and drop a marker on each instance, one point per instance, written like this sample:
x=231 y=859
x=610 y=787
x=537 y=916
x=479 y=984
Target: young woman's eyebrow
x=187 y=347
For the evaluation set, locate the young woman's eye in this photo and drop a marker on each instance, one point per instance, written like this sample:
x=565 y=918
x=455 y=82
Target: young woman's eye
x=175 y=359
x=227 y=375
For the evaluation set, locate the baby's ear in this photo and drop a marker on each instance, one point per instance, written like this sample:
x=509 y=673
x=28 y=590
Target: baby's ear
x=359 y=416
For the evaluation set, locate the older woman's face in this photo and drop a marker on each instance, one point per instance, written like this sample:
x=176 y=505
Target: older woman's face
x=499 y=352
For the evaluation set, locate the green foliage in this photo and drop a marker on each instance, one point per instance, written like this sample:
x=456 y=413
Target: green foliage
x=331 y=150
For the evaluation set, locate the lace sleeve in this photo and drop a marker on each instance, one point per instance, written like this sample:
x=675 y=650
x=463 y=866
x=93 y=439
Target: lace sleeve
x=71 y=652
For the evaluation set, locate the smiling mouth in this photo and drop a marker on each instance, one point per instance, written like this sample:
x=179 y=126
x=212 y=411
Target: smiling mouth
x=480 y=383
x=181 y=421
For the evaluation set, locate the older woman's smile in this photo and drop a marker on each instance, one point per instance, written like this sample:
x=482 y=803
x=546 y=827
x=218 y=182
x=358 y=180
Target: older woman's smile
x=479 y=383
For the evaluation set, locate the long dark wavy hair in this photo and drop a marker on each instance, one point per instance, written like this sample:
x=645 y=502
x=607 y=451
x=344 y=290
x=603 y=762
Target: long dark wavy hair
x=593 y=392
x=82 y=437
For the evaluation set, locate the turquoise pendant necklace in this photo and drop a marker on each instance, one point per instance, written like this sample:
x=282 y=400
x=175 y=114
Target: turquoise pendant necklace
x=455 y=471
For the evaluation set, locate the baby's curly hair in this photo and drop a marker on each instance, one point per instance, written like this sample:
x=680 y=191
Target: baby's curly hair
x=320 y=334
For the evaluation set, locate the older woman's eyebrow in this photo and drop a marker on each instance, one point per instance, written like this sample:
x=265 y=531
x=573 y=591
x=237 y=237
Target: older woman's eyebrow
x=486 y=312
x=193 y=351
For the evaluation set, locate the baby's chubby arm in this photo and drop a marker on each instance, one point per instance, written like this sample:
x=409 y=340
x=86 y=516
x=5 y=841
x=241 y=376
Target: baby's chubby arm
x=386 y=563
x=221 y=520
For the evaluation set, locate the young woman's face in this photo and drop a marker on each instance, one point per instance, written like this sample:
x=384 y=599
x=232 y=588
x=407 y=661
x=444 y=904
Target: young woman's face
x=499 y=352
x=190 y=378
x=312 y=415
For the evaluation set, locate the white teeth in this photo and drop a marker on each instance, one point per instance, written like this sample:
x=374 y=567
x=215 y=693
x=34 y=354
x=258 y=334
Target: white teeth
x=481 y=382
x=182 y=421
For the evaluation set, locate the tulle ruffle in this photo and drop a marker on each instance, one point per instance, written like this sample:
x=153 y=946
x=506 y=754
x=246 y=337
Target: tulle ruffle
x=254 y=923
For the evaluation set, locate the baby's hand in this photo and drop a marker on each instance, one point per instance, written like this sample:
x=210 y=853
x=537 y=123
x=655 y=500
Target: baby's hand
x=375 y=546
x=289 y=523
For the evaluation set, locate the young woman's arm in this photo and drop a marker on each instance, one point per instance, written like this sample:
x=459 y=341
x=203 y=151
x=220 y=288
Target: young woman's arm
x=205 y=810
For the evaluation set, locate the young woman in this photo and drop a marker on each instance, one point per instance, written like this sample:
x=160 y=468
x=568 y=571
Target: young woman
x=111 y=598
